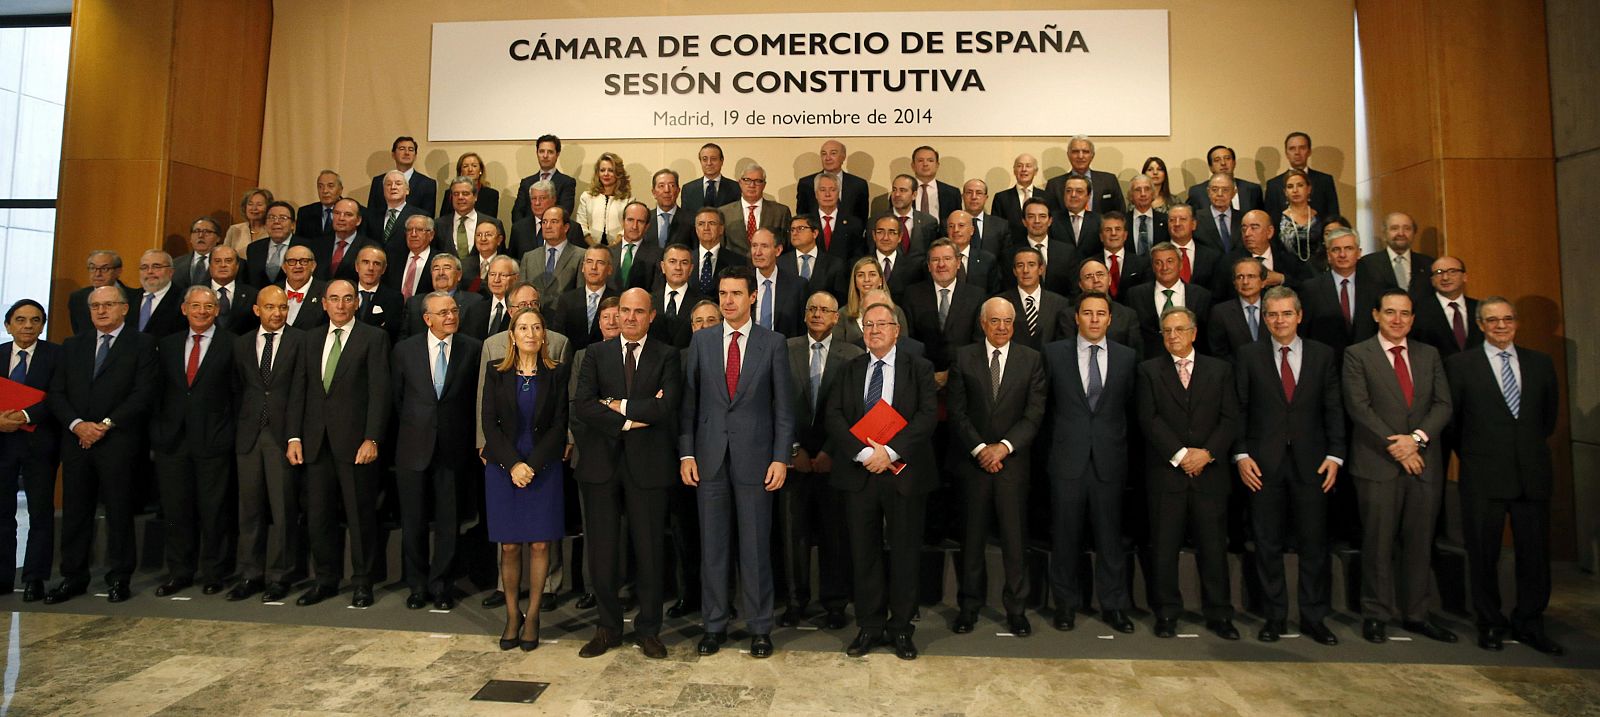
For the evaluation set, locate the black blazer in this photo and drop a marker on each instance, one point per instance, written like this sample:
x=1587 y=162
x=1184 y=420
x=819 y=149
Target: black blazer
x=1303 y=431
x=254 y=271
x=1142 y=299
x=811 y=430
x=475 y=319
x=1205 y=263
x=1227 y=329
x=311 y=314
x=240 y=318
x=725 y=257
x=394 y=274
x=789 y=306
x=849 y=238
x=680 y=230
x=1323 y=318
x=1086 y=242
x=501 y=418
x=44 y=360
x=166 y=316
x=646 y=266
x=853 y=195
x=566 y=194
x=649 y=454
x=323 y=248
x=78 y=308
x=1103 y=186
x=1158 y=230
x=1056 y=321
x=828 y=273
x=1324 y=195
x=1378 y=265
x=979 y=417
x=1504 y=457
x=1205 y=415
x=125 y=390
x=197 y=419
x=386 y=310
x=1207 y=233
x=355 y=407
x=1008 y=206
x=983 y=270
x=1433 y=327
x=1134 y=270
x=281 y=399
x=526 y=236
x=924 y=229
x=672 y=329
x=1250 y=196
x=913 y=399
x=424 y=192
x=395 y=240
x=415 y=308
x=1082 y=437
x=488 y=202
x=921 y=306
x=572 y=317
x=308 y=221
x=1294 y=271
x=694 y=194
x=992 y=234
x=435 y=430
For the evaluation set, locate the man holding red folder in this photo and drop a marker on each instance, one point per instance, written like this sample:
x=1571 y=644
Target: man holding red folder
x=29 y=447
x=886 y=478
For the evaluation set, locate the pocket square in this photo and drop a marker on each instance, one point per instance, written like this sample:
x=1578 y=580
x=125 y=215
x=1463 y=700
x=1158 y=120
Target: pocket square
x=376 y=309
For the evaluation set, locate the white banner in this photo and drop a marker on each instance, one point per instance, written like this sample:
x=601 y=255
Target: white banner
x=1025 y=73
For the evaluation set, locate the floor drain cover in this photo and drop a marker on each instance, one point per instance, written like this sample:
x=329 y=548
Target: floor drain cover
x=511 y=691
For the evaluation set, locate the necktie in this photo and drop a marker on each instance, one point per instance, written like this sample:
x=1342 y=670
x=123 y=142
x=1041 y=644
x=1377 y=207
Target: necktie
x=977 y=228
x=711 y=193
x=816 y=373
x=550 y=261
x=463 y=242
x=20 y=372
x=296 y=296
x=705 y=273
x=887 y=265
x=408 y=286
x=1116 y=273
x=750 y=223
x=327 y=219
x=827 y=233
x=905 y=233
x=630 y=365
x=1168 y=304
x=994 y=375
x=594 y=304
x=338 y=255
x=202 y=270
x=1458 y=325
x=961 y=271
x=1143 y=245
x=924 y=204
x=1096 y=381
x=1183 y=372
x=366 y=302
x=944 y=307
x=544 y=176
x=223 y=304
x=1077 y=226
x=1030 y=314
x=1040 y=247
x=1287 y=372
x=805 y=267
x=627 y=261
x=1402 y=373
x=1402 y=274
x=440 y=365
x=1184 y=270
x=1344 y=302
x=1508 y=385
x=1222 y=230
x=388 y=224
x=333 y=360
x=672 y=303
x=732 y=371
x=266 y=359
x=275 y=259
x=765 y=302
x=499 y=316
x=1255 y=323
x=145 y=308
x=193 y=367
x=1027 y=193
x=875 y=384
x=665 y=221
x=101 y=355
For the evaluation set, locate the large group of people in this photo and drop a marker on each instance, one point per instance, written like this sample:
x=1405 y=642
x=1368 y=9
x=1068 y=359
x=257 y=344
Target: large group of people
x=730 y=383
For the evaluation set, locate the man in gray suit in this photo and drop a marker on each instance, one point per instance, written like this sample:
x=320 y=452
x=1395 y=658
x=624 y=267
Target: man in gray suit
x=737 y=431
x=1398 y=398
x=552 y=266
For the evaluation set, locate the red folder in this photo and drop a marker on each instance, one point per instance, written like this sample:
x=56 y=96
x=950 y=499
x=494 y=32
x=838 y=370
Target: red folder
x=15 y=397
x=882 y=423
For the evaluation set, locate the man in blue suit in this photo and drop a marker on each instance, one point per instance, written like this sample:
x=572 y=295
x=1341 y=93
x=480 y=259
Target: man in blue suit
x=737 y=433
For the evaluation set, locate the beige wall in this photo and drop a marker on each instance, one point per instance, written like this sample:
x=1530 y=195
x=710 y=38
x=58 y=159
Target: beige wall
x=346 y=78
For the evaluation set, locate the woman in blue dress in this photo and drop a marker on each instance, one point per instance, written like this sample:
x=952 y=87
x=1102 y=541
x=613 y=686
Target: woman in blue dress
x=524 y=432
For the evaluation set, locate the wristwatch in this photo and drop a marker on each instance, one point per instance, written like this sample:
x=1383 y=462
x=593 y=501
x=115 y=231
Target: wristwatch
x=107 y=422
x=1417 y=436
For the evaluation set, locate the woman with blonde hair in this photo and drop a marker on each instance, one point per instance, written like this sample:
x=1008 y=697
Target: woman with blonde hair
x=866 y=277
x=524 y=433
x=599 y=210
x=470 y=165
x=253 y=207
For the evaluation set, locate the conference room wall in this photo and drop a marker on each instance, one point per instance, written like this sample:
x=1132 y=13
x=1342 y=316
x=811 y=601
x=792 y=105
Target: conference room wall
x=346 y=77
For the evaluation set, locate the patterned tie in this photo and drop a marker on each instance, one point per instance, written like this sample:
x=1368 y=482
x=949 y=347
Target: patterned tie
x=266 y=359
x=101 y=355
x=408 y=286
x=732 y=370
x=20 y=372
x=805 y=267
x=193 y=367
x=1255 y=323
x=1458 y=326
x=1183 y=372
x=1030 y=314
x=1096 y=381
x=1287 y=372
x=765 y=303
x=1222 y=230
x=365 y=307
x=594 y=305
x=1402 y=373
x=145 y=308
x=1344 y=302
x=550 y=261
x=905 y=234
x=875 y=385
x=223 y=304
x=440 y=366
x=705 y=272
x=333 y=360
x=327 y=219
x=994 y=375
x=750 y=223
x=630 y=365
x=816 y=373
x=672 y=303
x=1116 y=273
x=388 y=224
x=463 y=242
x=944 y=307
x=1402 y=275
x=1508 y=385
x=1143 y=245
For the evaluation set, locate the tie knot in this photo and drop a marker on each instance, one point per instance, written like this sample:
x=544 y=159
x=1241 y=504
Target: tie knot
x=337 y=333
x=1397 y=351
x=1183 y=363
x=197 y=337
x=736 y=336
x=997 y=353
x=271 y=334
x=816 y=346
x=1505 y=355
x=632 y=345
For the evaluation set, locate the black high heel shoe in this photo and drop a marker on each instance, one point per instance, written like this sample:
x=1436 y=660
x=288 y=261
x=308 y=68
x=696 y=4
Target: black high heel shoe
x=531 y=645
x=516 y=634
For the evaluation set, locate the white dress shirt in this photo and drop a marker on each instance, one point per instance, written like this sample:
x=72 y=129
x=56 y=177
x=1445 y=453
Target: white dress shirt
x=988 y=355
x=887 y=396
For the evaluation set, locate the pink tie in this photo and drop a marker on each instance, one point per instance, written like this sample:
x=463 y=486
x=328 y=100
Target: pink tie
x=1183 y=372
x=409 y=286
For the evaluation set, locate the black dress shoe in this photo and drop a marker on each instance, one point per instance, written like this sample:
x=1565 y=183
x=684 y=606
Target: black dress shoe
x=316 y=594
x=650 y=646
x=1223 y=629
x=362 y=597
x=1319 y=632
x=275 y=592
x=1118 y=620
x=761 y=646
x=244 y=589
x=863 y=643
x=711 y=642
x=213 y=587
x=118 y=592
x=416 y=601
x=1493 y=638
x=1430 y=630
x=443 y=601
x=1019 y=625
x=1374 y=631
x=1540 y=642
x=510 y=643
x=495 y=599
x=171 y=587
x=63 y=592
x=1166 y=627
x=629 y=602
x=529 y=645
x=33 y=590
x=791 y=617
x=586 y=601
x=1064 y=620
x=680 y=608
x=1272 y=630
x=547 y=602
x=904 y=648
x=837 y=620
x=964 y=623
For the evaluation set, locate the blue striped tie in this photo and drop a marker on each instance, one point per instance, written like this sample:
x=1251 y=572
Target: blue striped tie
x=1508 y=385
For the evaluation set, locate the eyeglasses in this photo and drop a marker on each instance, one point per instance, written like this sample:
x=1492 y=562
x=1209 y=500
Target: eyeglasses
x=275 y=218
x=447 y=312
x=1497 y=320
x=1448 y=272
x=98 y=305
x=154 y=267
x=875 y=325
x=750 y=181
x=207 y=230
x=297 y=262
x=1177 y=331
x=820 y=310
x=104 y=269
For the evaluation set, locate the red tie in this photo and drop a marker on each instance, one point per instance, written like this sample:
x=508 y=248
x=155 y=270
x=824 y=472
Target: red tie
x=338 y=254
x=750 y=224
x=905 y=235
x=827 y=233
x=1184 y=271
x=1116 y=273
x=1288 y=376
x=297 y=295
x=1344 y=303
x=733 y=365
x=194 y=360
x=1458 y=326
x=1402 y=373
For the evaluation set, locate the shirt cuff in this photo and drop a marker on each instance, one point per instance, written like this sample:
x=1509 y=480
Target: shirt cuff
x=863 y=454
x=74 y=423
x=1336 y=460
x=1178 y=457
x=627 y=425
x=292 y=440
x=1240 y=456
x=977 y=449
x=1009 y=448
x=893 y=456
x=25 y=417
x=1424 y=435
x=622 y=406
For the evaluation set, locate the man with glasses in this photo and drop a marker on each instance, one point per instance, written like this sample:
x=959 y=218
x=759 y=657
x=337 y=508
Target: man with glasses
x=337 y=252
x=1446 y=320
x=1397 y=264
x=753 y=211
x=446 y=272
x=105 y=269
x=411 y=273
x=819 y=269
x=493 y=314
x=159 y=308
x=264 y=259
x=303 y=288
x=194 y=268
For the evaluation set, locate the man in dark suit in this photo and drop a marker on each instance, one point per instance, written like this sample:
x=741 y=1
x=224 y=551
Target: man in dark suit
x=1043 y=316
x=379 y=304
x=901 y=268
x=636 y=258
x=711 y=189
x=995 y=397
x=1506 y=400
x=1124 y=268
x=30 y=450
x=316 y=219
x=269 y=370
x=1189 y=413
x=195 y=266
x=160 y=312
x=421 y=191
x=492 y=315
x=917 y=228
x=669 y=223
x=1105 y=191
x=852 y=190
x=1246 y=195
x=1324 y=193
x=1075 y=224
x=1146 y=226
x=752 y=209
x=712 y=254
x=234 y=298
x=102 y=393
x=337 y=251
x=1282 y=267
x=263 y=265
x=387 y=222
x=553 y=264
x=1124 y=326
x=191 y=435
x=1217 y=220
x=1396 y=264
x=1445 y=314
x=942 y=312
x=628 y=396
x=931 y=196
x=1057 y=257
x=885 y=484
x=1092 y=390
x=1337 y=303
x=974 y=265
x=458 y=227
x=528 y=233
x=817 y=269
x=1288 y=454
x=841 y=235
x=1152 y=299
x=1197 y=263
x=808 y=507
x=1398 y=398
x=105 y=269
x=1008 y=203
x=991 y=234
x=1237 y=322
x=736 y=434
x=673 y=296
x=303 y=289
x=577 y=314
x=435 y=378
x=564 y=189
x=780 y=298
x=446 y=273
x=347 y=395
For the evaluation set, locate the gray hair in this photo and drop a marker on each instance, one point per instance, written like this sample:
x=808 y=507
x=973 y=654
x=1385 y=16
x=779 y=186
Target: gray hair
x=1487 y=301
x=202 y=288
x=1278 y=293
x=452 y=258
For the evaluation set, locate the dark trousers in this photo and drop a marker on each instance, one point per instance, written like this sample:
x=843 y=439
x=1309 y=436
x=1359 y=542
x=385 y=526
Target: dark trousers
x=1403 y=510
x=1484 y=523
x=1006 y=499
x=808 y=514
x=415 y=489
x=871 y=512
x=722 y=502
x=95 y=477
x=1172 y=515
x=328 y=481
x=684 y=518
x=1285 y=503
x=197 y=514
x=1099 y=503
x=35 y=476
x=269 y=511
x=604 y=507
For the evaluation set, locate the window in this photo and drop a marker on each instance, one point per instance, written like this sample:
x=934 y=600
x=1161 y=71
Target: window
x=33 y=90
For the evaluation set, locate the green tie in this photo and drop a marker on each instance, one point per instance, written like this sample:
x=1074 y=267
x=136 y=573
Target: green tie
x=1168 y=305
x=627 y=261
x=333 y=361
x=463 y=244
x=388 y=226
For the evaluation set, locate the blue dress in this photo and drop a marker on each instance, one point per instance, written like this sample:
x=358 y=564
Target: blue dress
x=535 y=513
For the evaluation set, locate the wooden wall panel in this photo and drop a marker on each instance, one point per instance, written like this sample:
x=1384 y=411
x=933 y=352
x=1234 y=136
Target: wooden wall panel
x=1498 y=66
x=192 y=192
x=1414 y=190
x=1398 y=76
x=118 y=84
x=103 y=204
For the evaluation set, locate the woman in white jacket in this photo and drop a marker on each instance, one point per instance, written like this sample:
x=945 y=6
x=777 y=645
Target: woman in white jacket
x=600 y=208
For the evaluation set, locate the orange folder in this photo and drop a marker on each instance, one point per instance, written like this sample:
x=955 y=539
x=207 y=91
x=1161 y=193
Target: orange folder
x=881 y=423
x=15 y=396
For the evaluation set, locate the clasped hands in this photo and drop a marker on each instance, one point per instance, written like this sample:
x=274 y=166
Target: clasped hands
x=1403 y=449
